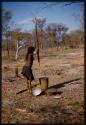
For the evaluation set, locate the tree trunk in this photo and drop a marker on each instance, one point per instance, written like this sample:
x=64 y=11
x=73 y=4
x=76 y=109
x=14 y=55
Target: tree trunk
x=7 y=49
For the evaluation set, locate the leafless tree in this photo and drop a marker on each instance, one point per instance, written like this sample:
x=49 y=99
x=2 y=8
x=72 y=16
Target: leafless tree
x=57 y=31
x=6 y=17
x=39 y=25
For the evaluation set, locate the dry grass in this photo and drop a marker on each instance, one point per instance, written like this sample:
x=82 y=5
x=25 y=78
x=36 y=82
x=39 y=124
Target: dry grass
x=62 y=69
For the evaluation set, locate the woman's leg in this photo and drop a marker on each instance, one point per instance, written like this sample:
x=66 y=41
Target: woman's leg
x=29 y=86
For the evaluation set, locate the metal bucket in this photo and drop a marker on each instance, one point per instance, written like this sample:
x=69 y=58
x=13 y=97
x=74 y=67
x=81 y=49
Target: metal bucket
x=36 y=91
x=43 y=83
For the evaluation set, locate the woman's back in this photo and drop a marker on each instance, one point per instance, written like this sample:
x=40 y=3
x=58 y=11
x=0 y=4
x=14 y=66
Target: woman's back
x=29 y=60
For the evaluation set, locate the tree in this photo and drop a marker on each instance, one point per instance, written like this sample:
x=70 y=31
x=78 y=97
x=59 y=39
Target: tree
x=51 y=34
x=6 y=17
x=39 y=25
x=77 y=38
x=19 y=39
x=57 y=32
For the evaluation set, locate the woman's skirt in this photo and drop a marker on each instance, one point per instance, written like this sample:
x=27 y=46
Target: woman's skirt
x=27 y=72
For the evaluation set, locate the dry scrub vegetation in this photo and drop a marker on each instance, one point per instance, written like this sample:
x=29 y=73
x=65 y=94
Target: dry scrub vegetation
x=65 y=71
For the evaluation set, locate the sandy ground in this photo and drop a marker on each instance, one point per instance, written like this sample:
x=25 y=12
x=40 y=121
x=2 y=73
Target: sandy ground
x=65 y=71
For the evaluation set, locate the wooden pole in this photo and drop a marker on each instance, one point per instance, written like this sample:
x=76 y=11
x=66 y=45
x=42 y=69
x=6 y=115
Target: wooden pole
x=37 y=42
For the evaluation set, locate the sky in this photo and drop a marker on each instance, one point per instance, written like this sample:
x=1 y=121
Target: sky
x=24 y=12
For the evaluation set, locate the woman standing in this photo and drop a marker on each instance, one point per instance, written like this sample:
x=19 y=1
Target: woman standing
x=27 y=68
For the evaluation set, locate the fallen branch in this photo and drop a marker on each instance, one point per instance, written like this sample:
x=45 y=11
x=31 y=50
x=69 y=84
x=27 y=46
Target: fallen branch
x=21 y=91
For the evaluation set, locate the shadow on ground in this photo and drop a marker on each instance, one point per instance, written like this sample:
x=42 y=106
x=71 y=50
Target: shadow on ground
x=63 y=83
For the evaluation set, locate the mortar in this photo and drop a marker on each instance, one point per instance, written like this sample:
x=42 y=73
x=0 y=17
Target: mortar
x=43 y=81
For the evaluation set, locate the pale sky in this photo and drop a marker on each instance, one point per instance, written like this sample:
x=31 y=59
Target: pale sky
x=24 y=12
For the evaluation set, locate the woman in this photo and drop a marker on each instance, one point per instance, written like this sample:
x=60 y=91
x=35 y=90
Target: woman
x=27 y=68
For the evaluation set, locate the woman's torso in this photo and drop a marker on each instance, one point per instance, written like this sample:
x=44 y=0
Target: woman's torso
x=29 y=61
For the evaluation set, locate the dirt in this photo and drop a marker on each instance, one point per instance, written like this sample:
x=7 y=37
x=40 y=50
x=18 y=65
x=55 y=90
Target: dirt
x=65 y=71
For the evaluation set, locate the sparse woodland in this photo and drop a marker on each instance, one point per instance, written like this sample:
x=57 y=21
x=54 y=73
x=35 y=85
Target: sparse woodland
x=61 y=60
x=52 y=35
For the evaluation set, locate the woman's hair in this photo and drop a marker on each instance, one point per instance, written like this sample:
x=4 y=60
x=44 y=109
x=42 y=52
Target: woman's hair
x=29 y=51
